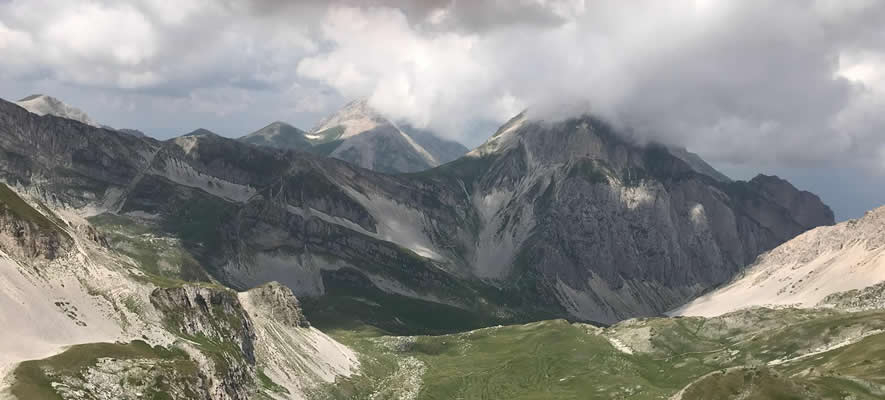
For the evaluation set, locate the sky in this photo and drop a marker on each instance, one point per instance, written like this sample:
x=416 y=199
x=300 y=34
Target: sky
x=788 y=87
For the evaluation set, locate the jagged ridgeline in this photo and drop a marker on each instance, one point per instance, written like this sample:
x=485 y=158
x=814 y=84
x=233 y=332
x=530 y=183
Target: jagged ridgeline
x=362 y=136
x=159 y=262
x=545 y=220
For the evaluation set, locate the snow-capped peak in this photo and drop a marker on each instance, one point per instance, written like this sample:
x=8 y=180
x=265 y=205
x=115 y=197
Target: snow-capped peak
x=47 y=105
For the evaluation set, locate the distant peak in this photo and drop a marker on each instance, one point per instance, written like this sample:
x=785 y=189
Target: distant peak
x=42 y=104
x=32 y=97
x=280 y=124
x=201 y=132
x=355 y=117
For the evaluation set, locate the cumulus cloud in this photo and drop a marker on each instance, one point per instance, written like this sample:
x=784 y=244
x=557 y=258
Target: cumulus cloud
x=790 y=82
x=149 y=44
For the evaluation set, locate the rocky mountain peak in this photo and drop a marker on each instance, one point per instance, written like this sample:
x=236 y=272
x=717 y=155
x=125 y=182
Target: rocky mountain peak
x=278 y=134
x=807 y=207
x=354 y=118
x=200 y=132
x=41 y=104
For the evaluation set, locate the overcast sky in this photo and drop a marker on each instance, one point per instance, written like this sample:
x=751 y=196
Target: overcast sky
x=791 y=87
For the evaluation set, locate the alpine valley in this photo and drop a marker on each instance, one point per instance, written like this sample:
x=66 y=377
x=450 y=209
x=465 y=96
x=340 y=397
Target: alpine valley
x=369 y=259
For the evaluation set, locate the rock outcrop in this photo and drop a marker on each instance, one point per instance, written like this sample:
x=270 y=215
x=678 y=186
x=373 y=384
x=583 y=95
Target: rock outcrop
x=28 y=233
x=278 y=303
x=215 y=321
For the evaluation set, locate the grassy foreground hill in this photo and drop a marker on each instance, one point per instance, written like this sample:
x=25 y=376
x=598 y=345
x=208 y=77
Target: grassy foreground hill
x=752 y=354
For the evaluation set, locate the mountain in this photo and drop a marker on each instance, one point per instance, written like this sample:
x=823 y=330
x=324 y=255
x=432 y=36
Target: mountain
x=698 y=164
x=543 y=220
x=360 y=135
x=133 y=132
x=204 y=267
x=279 y=135
x=443 y=150
x=369 y=140
x=46 y=105
x=804 y=271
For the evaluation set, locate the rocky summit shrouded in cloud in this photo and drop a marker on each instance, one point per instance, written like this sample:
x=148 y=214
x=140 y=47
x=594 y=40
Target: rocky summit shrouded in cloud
x=781 y=84
x=735 y=81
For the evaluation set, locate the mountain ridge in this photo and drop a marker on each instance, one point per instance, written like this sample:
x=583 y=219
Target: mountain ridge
x=42 y=105
x=358 y=134
x=176 y=248
x=804 y=271
x=471 y=231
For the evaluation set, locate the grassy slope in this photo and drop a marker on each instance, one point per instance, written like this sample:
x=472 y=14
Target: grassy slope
x=163 y=260
x=33 y=378
x=718 y=358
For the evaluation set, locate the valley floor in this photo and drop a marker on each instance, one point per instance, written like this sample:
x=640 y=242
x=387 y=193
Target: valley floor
x=757 y=353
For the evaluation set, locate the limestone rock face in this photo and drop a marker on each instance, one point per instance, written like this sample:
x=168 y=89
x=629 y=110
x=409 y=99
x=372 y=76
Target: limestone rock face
x=840 y=266
x=544 y=220
x=279 y=304
x=216 y=320
x=27 y=233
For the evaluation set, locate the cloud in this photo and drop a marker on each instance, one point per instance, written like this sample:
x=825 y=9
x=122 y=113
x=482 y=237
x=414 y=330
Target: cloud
x=741 y=82
x=152 y=45
x=789 y=82
x=460 y=15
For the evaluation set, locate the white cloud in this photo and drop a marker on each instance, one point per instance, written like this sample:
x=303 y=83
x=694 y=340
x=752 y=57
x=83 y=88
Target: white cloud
x=739 y=81
x=788 y=82
x=152 y=44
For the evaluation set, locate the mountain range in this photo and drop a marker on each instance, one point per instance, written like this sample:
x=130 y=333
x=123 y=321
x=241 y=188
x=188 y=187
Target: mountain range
x=216 y=260
x=361 y=136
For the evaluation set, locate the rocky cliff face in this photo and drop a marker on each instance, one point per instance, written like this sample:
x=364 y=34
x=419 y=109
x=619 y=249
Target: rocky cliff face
x=839 y=266
x=545 y=219
x=279 y=304
x=607 y=229
x=214 y=319
x=252 y=337
x=28 y=233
